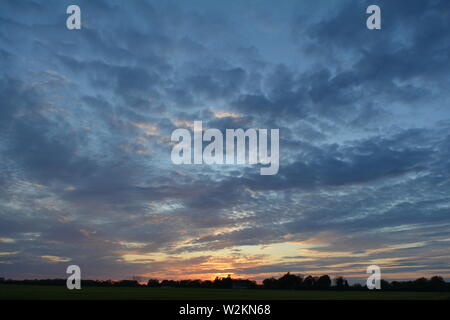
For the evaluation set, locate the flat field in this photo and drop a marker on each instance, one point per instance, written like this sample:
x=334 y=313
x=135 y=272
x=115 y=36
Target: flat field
x=38 y=292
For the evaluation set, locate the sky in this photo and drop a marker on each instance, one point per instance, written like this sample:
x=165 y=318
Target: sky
x=86 y=118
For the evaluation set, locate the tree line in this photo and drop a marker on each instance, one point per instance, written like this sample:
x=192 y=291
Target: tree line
x=286 y=282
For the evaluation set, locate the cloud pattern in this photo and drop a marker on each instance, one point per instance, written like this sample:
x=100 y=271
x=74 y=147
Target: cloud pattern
x=86 y=118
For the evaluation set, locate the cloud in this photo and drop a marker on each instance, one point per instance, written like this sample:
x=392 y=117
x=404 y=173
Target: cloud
x=86 y=117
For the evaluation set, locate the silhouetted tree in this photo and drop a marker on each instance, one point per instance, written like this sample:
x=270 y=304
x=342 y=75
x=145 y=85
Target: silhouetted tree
x=385 y=285
x=270 y=283
x=224 y=283
x=358 y=286
x=290 y=281
x=168 y=283
x=437 y=283
x=341 y=283
x=127 y=283
x=207 y=284
x=421 y=284
x=287 y=281
x=323 y=283
x=153 y=283
x=309 y=283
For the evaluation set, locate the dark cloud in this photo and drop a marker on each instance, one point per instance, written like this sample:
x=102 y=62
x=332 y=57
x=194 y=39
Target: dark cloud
x=86 y=118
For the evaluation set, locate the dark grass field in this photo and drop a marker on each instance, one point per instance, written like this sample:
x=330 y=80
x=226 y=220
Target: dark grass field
x=34 y=292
